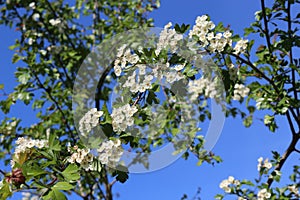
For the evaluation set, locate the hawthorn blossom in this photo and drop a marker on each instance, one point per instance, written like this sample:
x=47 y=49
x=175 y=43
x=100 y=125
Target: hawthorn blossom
x=240 y=91
x=240 y=46
x=293 y=189
x=36 y=16
x=82 y=157
x=89 y=121
x=225 y=184
x=203 y=31
x=32 y=5
x=54 y=22
x=110 y=152
x=263 y=194
x=168 y=38
x=25 y=144
x=30 y=41
x=263 y=164
x=203 y=86
x=122 y=117
x=124 y=57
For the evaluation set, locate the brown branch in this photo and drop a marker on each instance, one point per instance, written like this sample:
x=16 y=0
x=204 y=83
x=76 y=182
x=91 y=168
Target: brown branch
x=56 y=104
x=291 y=148
x=266 y=30
x=291 y=55
x=250 y=64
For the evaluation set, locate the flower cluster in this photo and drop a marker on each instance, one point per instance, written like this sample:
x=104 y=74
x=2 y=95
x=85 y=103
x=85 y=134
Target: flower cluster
x=214 y=42
x=293 y=189
x=263 y=194
x=124 y=57
x=202 y=85
x=122 y=117
x=110 y=152
x=54 y=22
x=240 y=46
x=89 y=121
x=225 y=184
x=240 y=91
x=82 y=157
x=24 y=144
x=263 y=164
x=32 y=5
x=134 y=83
x=168 y=38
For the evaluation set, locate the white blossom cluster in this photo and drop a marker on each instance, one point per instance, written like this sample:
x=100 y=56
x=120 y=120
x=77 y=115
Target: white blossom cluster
x=110 y=152
x=214 y=42
x=24 y=144
x=293 y=189
x=122 y=117
x=124 y=56
x=225 y=184
x=82 y=157
x=240 y=91
x=201 y=85
x=32 y=5
x=89 y=121
x=134 y=82
x=54 y=22
x=168 y=38
x=240 y=46
x=263 y=164
x=263 y=194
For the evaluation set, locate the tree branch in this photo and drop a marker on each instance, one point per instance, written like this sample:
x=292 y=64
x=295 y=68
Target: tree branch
x=287 y=153
x=266 y=30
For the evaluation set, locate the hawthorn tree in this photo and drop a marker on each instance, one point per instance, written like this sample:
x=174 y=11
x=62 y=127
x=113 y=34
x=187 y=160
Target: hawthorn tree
x=77 y=57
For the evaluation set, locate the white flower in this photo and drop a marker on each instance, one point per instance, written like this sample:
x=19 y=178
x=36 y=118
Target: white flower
x=263 y=194
x=263 y=164
x=89 y=121
x=54 y=22
x=43 y=52
x=227 y=34
x=24 y=144
x=225 y=184
x=110 y=152
x=82 y=157
x=240 y=46
x=32 y=5
x=240 y=91
x=122 y=117
x=294 y=190
x=36 y=16
x=30 y=41
x=179 y=67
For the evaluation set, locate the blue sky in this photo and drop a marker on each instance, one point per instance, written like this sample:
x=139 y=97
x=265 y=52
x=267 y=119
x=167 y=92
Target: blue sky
x=239 y=147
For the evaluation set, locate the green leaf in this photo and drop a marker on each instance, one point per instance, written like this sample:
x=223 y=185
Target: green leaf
x=16 y=58
x=55 y=194
x=220 y=27
x=24 y=77
x=5 y=191
x=1 y=86
x=63 y=186
x=54 y=143
x=71 y=173
x=122 y=174
x=35 y=171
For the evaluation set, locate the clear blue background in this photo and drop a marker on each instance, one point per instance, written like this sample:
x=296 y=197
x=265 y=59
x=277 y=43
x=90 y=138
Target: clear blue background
x=239 y=147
